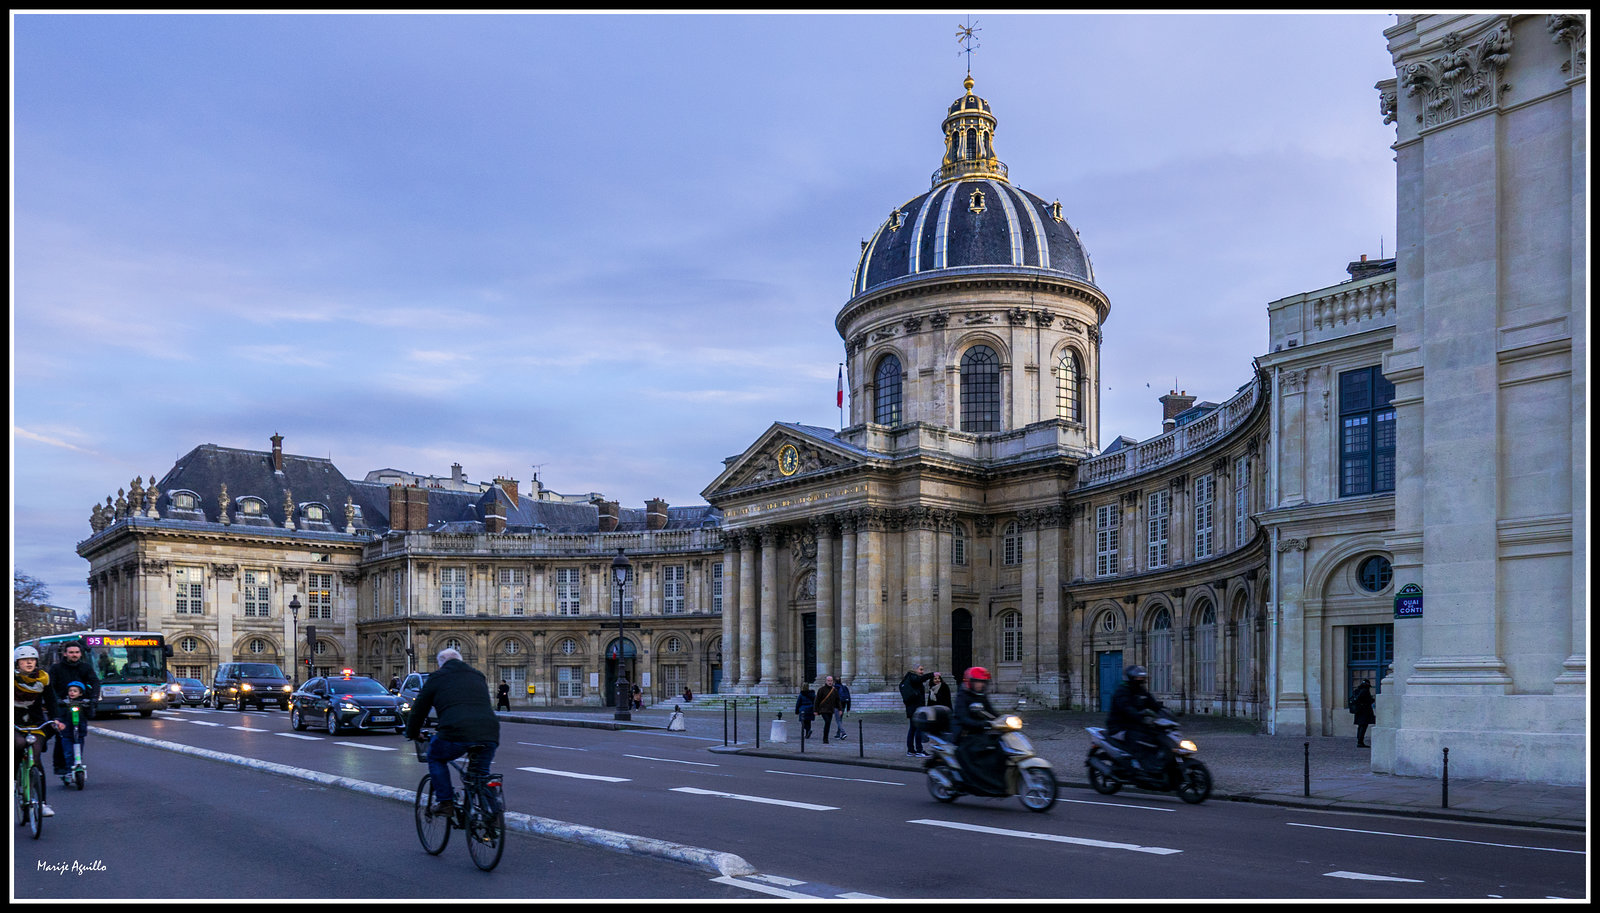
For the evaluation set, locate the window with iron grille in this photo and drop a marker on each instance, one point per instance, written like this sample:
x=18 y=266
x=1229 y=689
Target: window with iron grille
x=453 y=590
x=716 y=587
x=1205 y=490
x=1366 y=432
x=958 y=546
x=1158 y=516
x=1241 y=500
x=1107 y=526
x=980 y=390
x=1160 y=637
x=319 y=596
x=1011 y=637
x=187 y=582
x=256 y=593
x=672 y=589
x=377 y=594
x=568 y=596
x=396 y=588
x=886 y=408
x=1012 y=545
x=1069 y=405
x=513 y=590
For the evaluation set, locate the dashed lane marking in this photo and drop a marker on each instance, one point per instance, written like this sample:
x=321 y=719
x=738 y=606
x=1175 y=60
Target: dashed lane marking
x=368 y=747
x=543 y=745
x=296 y=735
x=670 y=760
x=202 y=722
x=1509 y=846
x=1054 y=838
x=791 y=773
x=1362 y=876
x=761 y=799
x=575 y=776
x=790 y=888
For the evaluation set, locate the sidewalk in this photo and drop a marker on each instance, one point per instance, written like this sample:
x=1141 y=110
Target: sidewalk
x=1245 y=766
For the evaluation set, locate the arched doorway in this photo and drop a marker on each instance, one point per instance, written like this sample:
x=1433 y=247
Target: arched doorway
x=960 y=642
x=630 y=661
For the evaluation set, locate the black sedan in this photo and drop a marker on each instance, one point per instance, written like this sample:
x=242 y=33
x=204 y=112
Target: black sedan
x=346 y=702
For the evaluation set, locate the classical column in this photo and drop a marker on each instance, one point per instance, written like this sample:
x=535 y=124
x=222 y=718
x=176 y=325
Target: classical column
x=847 y=598
x=747 y=663
x=870 y=671
x=771 y=536
x=825 y=620
x=730 y=609
x=921 y=622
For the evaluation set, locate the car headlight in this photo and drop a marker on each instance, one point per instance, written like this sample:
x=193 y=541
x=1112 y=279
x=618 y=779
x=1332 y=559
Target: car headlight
x=157 y=695
x=348 y=707
x=1012 y=722
x=287 y=689
x=1187 y=745
x=245 y=687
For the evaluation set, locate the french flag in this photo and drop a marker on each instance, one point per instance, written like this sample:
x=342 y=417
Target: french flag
x=840 y=402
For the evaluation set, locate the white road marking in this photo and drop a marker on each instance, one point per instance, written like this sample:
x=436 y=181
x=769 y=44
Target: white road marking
x=543 y=745
x=241 y=728
x=1509 y=846
x=761 y=799
x=773 y=885
x=1146 y=808
x=790 y=773
x=202 y=723
x=1362 y=876
x=670 y=760
x=1054 y=838
x=368 y=747
x=575 y=776
x=296 y=735
x=778 y=880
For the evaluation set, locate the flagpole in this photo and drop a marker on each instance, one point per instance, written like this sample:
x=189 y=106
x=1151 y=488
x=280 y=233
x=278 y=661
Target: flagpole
x=841 y=396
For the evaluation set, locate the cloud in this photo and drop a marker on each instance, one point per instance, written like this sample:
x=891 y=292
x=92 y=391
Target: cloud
x=50 y=441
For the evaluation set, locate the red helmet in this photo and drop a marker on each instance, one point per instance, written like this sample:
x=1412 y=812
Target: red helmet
x=978 y=674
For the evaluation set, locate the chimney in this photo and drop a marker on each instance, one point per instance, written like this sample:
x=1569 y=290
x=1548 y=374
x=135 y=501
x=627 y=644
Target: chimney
x=655 y=514
x=397 y=507
x=494 y=518
x=509 y=486
x=416 y=508
x=1172 y=404
x=277 y=452
x=608 y=514
x=456 y=475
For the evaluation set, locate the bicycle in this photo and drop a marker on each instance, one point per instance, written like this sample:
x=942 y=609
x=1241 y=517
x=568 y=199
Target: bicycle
x=479 y=812
x=72 y=749
x=30 y=782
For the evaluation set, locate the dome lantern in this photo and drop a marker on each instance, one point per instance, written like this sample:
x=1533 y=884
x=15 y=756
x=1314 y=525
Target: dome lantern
x=969 y=140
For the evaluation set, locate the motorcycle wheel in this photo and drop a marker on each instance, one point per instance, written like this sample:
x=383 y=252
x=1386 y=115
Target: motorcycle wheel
x=939 y=786
x=1038 y=788
x=1103 y=784
x=1194 y=781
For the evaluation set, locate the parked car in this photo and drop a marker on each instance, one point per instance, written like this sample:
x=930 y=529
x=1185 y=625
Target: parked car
x=250 y=683
x=340 y=702
x=181 y=691
x=408 y=693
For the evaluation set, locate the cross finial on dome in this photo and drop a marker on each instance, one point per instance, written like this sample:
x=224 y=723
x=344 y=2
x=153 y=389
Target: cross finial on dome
x=967 y=37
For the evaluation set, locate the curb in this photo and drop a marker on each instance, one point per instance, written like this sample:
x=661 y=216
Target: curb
x=725 y=864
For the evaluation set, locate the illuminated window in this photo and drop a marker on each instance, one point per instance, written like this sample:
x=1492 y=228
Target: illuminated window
x=319 y=596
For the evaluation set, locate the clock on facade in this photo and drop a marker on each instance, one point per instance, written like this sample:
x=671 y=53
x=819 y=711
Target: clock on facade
x=788 y=460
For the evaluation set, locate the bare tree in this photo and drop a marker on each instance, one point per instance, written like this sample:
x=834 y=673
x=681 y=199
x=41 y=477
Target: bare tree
x=30 y=599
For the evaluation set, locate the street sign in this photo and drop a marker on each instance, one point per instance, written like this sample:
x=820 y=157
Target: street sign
x=1408 y=602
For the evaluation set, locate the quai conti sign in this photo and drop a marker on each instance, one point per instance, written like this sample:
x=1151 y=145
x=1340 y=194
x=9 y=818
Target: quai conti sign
x=1408 y=602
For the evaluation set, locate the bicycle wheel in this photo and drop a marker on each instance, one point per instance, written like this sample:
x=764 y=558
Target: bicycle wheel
x=486 y=831
x=36 y=801
x=432 y=830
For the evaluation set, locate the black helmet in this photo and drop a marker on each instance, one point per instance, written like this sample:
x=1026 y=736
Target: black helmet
x=1137 y=674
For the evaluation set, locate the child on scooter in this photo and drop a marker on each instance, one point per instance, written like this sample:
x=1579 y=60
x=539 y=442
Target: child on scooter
x=72 y=734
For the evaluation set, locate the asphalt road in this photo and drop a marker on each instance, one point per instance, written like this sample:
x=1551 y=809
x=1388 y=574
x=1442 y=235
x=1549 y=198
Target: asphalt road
x=815 y=830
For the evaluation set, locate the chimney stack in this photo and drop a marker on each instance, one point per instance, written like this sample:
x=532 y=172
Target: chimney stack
x=609 y=514
x=277 y=452
x=509 y=486
x=1171 y=405
x=494 y=518
x=408 y=507
x=456 y=475
x=655 y=514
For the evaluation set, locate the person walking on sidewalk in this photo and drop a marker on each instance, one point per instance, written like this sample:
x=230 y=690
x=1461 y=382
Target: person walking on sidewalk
x=805 y=707
x=502 y=697
x=1361 y=704
x=827 y=705
x=844 y=708
x=914 y=694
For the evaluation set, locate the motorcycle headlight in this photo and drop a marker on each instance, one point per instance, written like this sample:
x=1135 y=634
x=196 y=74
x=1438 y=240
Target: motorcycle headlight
x=1187 y=745
x=1012 y=722
x=245 y=687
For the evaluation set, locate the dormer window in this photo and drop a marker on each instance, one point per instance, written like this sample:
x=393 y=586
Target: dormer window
x=896 y=219
x=316 y=512
x=1055 y=212
x=252 y=507
x=976 y=203
x=184 y=500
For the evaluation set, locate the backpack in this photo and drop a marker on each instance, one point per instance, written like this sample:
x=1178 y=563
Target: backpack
x=910 y=692
x=844 y=697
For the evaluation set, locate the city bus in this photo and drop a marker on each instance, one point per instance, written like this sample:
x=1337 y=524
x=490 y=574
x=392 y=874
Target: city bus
x=132 y=666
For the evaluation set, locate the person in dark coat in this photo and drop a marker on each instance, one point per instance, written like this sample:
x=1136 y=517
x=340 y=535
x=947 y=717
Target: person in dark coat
x=1132 y=707
x=805 y=707
x=73 y=666
x=1361 y=704
x=828 y=704
x=460 y=694
x=977 y=746
x=938 y=692
x=502 y=696
x=914 y=694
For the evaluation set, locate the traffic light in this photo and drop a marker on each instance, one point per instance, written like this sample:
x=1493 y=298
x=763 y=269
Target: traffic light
x=311 y=636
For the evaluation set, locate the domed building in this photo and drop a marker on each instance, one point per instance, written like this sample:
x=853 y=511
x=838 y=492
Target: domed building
x=949 y=523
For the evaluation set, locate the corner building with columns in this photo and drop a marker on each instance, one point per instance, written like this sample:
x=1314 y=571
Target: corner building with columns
x=967 y=514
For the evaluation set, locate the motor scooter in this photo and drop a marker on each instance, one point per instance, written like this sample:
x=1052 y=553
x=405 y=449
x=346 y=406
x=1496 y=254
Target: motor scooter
x=1027 y=776
x=72 y=747
x=1173 y=768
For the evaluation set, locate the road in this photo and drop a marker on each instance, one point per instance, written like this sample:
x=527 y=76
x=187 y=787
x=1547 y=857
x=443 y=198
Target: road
x=809 y=829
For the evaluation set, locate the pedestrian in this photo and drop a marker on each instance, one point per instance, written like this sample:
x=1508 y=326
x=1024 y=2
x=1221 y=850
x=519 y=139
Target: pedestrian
x=502 y=696
x=938 y=692
x=844 y=707
x=638 y=698
x=688 y=696
x=827 y=705
x=394 y=683
x=1361 y=704
x=914 y=694
x=805 y=707
x=73 y=666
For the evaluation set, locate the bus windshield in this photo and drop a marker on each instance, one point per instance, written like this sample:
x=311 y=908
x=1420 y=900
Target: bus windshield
x=128 y=659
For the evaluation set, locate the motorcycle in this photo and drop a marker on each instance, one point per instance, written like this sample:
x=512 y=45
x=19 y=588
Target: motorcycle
x=1173 y=769
x=1028 y=777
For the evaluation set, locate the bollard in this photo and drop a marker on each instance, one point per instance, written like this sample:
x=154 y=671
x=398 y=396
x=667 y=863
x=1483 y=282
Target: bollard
x=802 y=737
x=724 y=724
x=1445 y=800
x=861 y=743
x=758 y=722
x=1308 y=770
x=735 y=722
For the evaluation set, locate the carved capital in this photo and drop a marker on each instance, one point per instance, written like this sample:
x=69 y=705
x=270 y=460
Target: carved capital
x=1462 y=80
x=1292 y=545
x=1570 y=28
x=157 y=566
x=1388 y=100
x=1017 y=316
x=913 y=324
x=292 y=574
x=224 y=571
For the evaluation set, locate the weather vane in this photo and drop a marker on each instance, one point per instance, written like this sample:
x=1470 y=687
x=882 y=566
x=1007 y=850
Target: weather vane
x=967 y=37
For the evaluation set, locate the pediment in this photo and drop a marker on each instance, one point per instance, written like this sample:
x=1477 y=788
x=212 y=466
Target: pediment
x=762 y=463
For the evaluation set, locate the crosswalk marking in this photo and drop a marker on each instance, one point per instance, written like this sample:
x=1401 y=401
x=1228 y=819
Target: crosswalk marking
x=1055 y=838
x=575 y=776
x=762 y=799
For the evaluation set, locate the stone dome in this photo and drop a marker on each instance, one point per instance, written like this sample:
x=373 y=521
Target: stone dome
x=973 y=220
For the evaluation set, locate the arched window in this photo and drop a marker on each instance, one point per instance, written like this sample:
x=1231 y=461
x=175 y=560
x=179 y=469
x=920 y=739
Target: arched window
x=1205 y=650
x=674 y=645
x=1011 y=637
x=258 y=646
x=886 y=408
x=980 y=390
x=1012 y=543
x=1069 y=388
x=512 y=648
x=1161 y=652
x=452 y=643
x=958 y=546
x=568 y=647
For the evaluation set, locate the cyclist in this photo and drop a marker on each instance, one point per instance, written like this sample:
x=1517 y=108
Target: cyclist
x=33 y=704
x=467 y=721
x=73 y=666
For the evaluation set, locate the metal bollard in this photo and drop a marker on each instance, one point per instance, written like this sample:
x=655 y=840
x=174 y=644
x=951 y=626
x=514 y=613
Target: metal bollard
x=1308 y=770
x=735 y=722
x=724 y=724
x=861 y=743
x=1445 y=801
x=802 y=736
x=758 y=722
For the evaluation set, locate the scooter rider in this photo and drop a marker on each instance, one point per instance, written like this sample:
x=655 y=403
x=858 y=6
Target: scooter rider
x=977 y=746
x=1131 y=709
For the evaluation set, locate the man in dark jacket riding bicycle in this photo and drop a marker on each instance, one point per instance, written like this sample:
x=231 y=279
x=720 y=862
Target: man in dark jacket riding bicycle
x=467 y=721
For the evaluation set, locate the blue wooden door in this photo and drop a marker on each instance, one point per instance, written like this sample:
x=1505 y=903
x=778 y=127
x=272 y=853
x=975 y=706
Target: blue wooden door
x=1110 y=677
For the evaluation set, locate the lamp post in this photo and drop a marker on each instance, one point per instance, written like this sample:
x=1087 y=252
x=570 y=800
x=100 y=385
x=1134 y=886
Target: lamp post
x=294 y=645
x=620 y=566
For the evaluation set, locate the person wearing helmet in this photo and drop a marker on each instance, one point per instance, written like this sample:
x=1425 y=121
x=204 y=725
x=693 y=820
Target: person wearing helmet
x=1132 y=705
x=73 y=666
x=33 y=704
x=977 y=746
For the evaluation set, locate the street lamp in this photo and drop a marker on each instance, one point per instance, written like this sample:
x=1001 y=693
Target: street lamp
x=620 y=566
x=294 y=645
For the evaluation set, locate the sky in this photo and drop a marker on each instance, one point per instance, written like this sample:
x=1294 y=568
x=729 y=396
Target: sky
x=611 y=248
